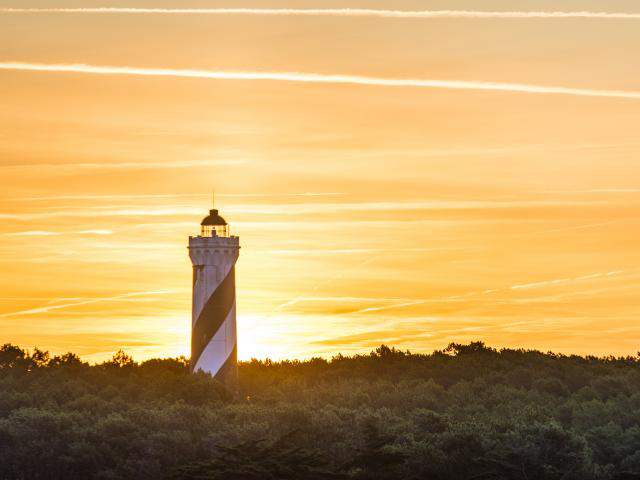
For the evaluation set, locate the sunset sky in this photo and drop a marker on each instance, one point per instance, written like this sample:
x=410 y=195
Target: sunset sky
x=473 y=177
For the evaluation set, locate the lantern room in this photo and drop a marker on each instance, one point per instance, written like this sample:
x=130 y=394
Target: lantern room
x=214 y=225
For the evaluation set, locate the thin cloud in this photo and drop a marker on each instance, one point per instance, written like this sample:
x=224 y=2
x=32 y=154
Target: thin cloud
x=577 y=227
x=34 y=311
x=107 y=197
x=592 y=190
x=323 y=78
x=326 y=299
x=378 y=336
x=349 y=251
x=291 y=209
x=180 y=195
x=457 y=298
x=46 y=233
x=565 y=280
x=339 y=12
x=96 y=232
x=311 y=208
x=74 y=167
x=122 y=212
x=328 y=281
x=400 y=305
x=33 y=233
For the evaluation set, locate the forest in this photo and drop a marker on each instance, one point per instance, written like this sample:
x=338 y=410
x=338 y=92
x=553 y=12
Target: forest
x=466 y=412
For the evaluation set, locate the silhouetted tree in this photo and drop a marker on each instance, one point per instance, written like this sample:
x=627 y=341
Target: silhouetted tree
x=120 y=360
x=12 y=357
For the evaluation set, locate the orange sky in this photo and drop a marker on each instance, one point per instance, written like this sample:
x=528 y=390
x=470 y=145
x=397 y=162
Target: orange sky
x=404 y=215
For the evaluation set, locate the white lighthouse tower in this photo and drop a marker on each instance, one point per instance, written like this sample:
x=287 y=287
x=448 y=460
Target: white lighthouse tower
x=213 y=254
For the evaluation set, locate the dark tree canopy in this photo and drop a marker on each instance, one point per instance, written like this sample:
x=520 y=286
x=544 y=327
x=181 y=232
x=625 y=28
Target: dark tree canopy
x=467 y=412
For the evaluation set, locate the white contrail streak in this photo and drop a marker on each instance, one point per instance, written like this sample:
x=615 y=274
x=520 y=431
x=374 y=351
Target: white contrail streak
x=565 y=280
x=179 y=195
x=74 y=167
x=337 y=12
x=33 y=311
x=320 y=78
x=32 y=233
x=546 y=283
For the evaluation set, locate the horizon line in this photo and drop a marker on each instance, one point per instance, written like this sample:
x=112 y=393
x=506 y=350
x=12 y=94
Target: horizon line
x=341 y=12
x=322 y=78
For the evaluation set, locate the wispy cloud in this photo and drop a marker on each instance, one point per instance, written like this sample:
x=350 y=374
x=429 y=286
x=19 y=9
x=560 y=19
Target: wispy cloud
x=310 y=208
x=457 y=298
x=179 y=195
x=48 y=308
x=292 y=209
x=263 y=195
x=109 y=197
x=565 y=280
x=46 y=233
x=79 y=167
x=95 y=232
x=588 y=191
x=577 y=227
x=323 y=78
x=120 y=212
x=33 y=233
x=349 y=251
x=338 y=12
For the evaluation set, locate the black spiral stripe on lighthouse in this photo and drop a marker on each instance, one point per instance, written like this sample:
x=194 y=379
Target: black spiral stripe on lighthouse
x=228 y=373
x=212 y=316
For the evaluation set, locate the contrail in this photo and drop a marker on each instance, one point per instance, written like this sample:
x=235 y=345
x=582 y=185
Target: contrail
x=336 y=12
x=90 y=301
x=32 y=233
x=321 y=78
x=74 y=167
x=179 y=195
x=486 y=292
x=565 y=280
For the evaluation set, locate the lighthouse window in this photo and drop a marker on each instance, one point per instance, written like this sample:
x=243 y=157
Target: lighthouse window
x=215 y=231
x=222 y=230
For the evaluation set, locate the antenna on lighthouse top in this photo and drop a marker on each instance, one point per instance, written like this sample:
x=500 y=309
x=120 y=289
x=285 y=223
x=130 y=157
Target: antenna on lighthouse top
x=213 y=199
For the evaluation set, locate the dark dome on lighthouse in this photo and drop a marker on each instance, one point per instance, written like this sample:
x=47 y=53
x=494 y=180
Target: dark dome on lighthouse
x=214 y=225
x=213 y=219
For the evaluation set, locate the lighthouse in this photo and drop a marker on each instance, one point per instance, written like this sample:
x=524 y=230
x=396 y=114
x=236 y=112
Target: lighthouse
x=213 y=254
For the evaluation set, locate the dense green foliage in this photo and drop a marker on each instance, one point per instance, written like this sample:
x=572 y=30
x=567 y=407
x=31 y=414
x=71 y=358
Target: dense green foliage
x=469 y=412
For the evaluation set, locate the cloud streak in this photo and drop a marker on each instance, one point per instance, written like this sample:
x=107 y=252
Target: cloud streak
x=295 y=209
x=34 y=311
x=76 y=168
x=95 y=232
x=341 y=12
x=32 y=233
x=565 y=280
x=117 y=212
x=179 y=195
x=322 y=78
x=457 y=298
x=46 y=233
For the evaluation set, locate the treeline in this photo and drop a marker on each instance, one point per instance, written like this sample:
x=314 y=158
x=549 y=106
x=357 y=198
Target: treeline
x=468 y=412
